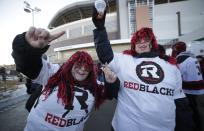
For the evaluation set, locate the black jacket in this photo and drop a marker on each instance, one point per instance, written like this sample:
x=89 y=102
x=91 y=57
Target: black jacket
x=27 y=58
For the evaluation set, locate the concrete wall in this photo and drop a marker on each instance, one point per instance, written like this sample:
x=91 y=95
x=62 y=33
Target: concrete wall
x=165 y=20
x=123 y=18
x=62 y=56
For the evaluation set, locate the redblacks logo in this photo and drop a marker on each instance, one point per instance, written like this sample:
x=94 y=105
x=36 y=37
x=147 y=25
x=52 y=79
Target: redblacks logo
x=61 y=122
x=150 y=72
x=148 y=89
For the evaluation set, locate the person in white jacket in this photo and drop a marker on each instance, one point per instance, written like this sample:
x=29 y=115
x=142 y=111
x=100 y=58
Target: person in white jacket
x=70 y=91
x=193 y=83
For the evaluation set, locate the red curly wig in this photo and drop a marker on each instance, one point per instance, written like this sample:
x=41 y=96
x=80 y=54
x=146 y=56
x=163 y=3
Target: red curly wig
x=177 y=48
x=143 y=34
x=64 y=80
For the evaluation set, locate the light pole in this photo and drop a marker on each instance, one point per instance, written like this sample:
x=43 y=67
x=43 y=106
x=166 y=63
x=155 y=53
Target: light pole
x=179 y=23
x=28 y=9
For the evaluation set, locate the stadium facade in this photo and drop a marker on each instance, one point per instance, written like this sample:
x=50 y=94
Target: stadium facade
x=171 y=20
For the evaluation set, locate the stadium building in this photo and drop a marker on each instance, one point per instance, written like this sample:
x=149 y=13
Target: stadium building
x=171 y=20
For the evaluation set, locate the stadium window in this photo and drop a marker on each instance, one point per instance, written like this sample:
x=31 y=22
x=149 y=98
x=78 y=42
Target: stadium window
x=176 y=0
x=160 y=2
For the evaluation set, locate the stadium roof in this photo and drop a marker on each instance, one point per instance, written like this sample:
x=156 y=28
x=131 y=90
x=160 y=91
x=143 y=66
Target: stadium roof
x=76 y=11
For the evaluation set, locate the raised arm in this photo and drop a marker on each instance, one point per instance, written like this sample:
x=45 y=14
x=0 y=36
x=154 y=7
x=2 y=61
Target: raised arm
x=102 y=44
x=28 y=48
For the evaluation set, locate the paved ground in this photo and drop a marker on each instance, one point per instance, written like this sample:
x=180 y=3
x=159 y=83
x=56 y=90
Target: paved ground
x=100 y=120
x=9 y=98
x=13 y=119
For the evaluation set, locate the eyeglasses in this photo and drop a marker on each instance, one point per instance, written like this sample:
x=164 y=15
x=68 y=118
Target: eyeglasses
x=82 y=68
x=143 y=41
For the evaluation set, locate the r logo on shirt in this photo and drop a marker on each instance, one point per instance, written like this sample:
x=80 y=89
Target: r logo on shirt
x=150 y=72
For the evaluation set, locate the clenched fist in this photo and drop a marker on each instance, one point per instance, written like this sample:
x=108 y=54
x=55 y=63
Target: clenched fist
x=110 y=76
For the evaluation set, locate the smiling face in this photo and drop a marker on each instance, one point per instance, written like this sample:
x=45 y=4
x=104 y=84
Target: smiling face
x=142 y=47
x=143 y=41
x=79 y=72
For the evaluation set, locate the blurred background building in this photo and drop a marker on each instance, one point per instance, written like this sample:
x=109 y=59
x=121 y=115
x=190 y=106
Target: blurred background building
x=171 y=20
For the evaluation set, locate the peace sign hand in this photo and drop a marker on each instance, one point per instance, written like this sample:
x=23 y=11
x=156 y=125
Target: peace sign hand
x=39 y=38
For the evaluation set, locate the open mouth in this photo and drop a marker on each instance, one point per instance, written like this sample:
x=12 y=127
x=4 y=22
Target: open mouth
x=143 y=47
x=82 y=74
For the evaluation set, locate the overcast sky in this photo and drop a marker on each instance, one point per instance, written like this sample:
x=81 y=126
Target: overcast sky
x=15 y=20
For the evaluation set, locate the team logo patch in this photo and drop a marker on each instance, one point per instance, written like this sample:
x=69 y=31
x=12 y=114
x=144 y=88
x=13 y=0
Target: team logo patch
x=150 y=72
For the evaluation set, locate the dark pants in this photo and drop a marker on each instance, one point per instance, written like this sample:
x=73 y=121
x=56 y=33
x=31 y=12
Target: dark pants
x=33 y=97
x=193 y=104
x=184 y=115
x=112 y=128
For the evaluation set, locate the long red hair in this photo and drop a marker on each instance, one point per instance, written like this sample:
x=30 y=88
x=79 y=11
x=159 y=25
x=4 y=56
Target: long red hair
x=143 y=34
x=64 y=80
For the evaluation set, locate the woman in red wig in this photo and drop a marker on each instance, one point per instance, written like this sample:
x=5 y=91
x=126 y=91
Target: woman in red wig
x=150 y=91
x=70 y=91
